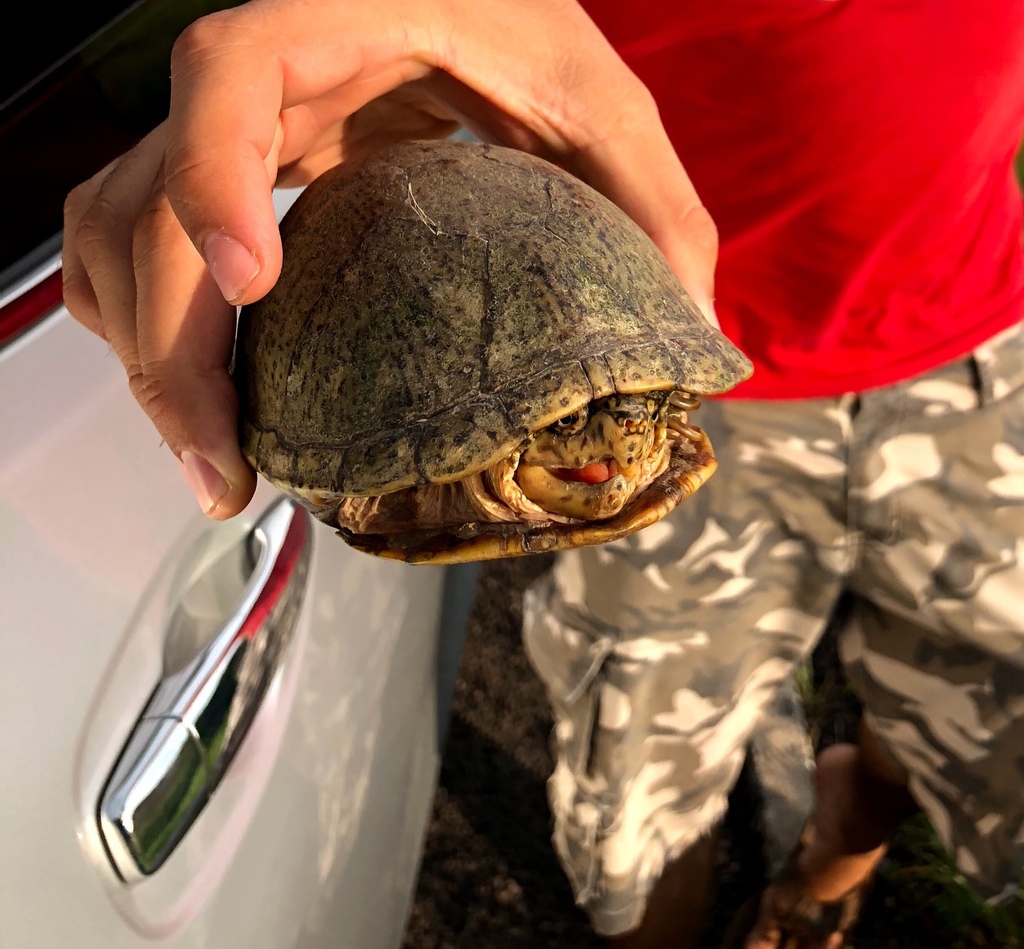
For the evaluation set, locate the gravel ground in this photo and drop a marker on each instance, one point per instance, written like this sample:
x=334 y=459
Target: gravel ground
x=490 y=879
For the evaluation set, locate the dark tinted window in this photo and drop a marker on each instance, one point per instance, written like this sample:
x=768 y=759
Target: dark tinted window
x=45 y=34
x=98 y=87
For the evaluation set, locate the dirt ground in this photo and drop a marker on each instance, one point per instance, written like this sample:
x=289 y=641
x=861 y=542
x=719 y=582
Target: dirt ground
x=490 y=879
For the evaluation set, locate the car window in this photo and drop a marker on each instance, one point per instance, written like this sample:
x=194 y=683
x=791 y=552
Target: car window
x=45 y=37
x=80 y=96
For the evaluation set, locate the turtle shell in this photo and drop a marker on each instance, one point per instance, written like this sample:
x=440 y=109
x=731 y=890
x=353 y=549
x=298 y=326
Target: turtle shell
x=442 y=302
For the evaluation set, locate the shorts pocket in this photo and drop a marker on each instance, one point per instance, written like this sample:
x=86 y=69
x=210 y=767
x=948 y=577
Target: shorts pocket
x=568 y=660
x=999 y=364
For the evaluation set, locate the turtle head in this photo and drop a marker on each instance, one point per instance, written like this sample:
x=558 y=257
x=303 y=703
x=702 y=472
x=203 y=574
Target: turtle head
x=619 y=428
x=603 y=470
x=590 y=462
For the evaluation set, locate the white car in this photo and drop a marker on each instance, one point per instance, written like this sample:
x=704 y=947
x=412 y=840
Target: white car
x=214 y=734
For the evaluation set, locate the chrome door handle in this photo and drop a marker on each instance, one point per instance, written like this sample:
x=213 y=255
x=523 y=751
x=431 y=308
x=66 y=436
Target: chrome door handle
x=213 y=684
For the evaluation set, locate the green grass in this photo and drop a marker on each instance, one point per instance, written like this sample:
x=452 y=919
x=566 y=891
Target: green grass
x=920 y=898
x=922 y=876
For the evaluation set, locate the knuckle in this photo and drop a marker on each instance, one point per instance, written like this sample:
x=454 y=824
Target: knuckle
x=185 y=164
x=81 y=197
x=592 y=119
x=96 y=225
x=156 y=229
x=150 y=392
x=197 y=41
x=74 y=205
x=701 y=227
x=140 y=387
x=641 y=97
x=80 y=299
x=637 y=107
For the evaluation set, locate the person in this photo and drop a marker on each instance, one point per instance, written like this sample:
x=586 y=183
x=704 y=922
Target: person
x=854 y=161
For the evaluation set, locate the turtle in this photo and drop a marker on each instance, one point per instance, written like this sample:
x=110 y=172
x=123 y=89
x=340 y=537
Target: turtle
x=472 y=354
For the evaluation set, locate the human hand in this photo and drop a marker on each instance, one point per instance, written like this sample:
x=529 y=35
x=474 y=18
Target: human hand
x=162 y=244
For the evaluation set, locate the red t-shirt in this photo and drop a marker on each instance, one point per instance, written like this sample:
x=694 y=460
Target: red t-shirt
x=857 y=157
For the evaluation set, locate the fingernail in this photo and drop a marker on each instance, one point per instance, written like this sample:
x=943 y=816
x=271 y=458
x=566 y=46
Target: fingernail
x=206 y=482
x=231 y=263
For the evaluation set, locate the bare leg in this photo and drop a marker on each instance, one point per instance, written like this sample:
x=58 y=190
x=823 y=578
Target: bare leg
x=678 y=907
x=862 y=798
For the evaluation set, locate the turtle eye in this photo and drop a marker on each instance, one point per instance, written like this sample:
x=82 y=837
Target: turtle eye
x=571 y=424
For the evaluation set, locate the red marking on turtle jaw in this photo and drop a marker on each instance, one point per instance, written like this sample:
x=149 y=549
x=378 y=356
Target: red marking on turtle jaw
x=597 y=472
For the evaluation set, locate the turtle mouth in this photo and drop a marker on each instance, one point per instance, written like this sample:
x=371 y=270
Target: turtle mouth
x=589 y=463
x=593 y=491
x=597 y=472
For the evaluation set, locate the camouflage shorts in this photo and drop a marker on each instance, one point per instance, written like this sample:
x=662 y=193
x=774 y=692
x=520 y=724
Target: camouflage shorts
x=659 y=652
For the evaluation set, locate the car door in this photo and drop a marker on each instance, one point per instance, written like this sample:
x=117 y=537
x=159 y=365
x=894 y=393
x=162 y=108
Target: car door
x=214 y=734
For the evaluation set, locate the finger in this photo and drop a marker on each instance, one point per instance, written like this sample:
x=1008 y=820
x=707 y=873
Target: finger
x=624 y=152
x=79 y=297
x=627 y=157
x=219 y=179
x=220 y=186
x=219 y=165
x=586 y=107
x=103 y=241
x=642 y=175
x=185 y=337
